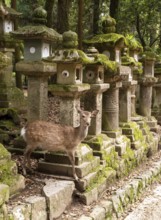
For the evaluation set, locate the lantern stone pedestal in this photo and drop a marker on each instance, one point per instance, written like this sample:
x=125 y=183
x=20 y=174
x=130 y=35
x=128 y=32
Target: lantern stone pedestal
x=38 y=73
x=110 y=115
x=93 y=100
x=69 y=101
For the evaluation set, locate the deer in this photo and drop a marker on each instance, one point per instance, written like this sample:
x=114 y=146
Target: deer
x=55 y=137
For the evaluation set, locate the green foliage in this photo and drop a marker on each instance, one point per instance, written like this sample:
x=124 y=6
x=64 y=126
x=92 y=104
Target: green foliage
x=141 y=18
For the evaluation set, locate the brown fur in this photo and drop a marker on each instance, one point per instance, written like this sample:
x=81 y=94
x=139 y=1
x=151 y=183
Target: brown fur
x=54 y=137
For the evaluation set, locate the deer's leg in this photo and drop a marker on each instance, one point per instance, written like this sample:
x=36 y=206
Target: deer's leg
x=71 y=155
x=27 y=154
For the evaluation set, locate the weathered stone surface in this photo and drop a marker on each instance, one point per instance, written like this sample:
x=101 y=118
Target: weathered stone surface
x=117 y=205
x=66 y=170
x=4 y=193
x=38 y=207
x=21 y=212
x=89 y=197
x=18 y=184
x=59 y=196
x=98 y=213
x=107 y=205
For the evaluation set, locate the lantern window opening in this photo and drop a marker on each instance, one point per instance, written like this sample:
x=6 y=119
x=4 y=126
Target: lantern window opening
x=90 y=75
x=78 y=74
x=100 y=75
x=65 y=74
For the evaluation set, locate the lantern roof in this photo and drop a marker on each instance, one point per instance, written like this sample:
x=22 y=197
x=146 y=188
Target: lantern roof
x=37 y=29
x=8 y=12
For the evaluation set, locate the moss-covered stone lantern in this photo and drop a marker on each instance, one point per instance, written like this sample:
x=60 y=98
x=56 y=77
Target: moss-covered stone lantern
x=69 y=78
x=108 y=43
x=7 y=17
x=9 y=94
x=94 y=75
x=69 y=65
x=38 y=39
x=147 y=81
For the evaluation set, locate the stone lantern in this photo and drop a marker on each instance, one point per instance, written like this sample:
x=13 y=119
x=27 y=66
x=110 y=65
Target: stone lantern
x=38 y=39
x=147 y=81
x=132 y=59
x=108 y=43
x=7 y=48
x=94 y=75
x=69 y=79
x=7 y=19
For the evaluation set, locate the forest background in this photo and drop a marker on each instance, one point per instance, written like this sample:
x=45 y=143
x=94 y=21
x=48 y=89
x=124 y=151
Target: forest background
x=139 y=18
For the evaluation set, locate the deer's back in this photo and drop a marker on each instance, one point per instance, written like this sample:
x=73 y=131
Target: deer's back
x=49 y=136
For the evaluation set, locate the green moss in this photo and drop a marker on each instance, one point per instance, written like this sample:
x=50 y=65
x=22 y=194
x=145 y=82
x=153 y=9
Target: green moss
x=112 y=159
x=110 y=39
x=9 y=113
x=101 y=177
x=130 y=160
x=148 y=55
x=133 y=44
x=39 y=31
x=7 y=124
x=4 y=153
x=130 y=61
x=17 y=98
x=136 y=131
x=8 y=173
x=4 y=60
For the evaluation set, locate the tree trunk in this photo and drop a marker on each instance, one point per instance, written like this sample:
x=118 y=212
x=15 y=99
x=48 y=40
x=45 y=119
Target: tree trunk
x=114 y=6
x=96 y=14
x=63 y=15
x=80 y=25
x=49 y=5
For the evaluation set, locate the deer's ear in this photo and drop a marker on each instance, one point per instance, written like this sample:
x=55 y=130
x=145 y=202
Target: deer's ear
x=94 y=113
x=78 y=109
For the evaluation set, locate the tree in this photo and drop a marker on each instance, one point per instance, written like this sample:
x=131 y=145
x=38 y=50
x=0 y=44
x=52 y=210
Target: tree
x=114 y=7
x=96 y=16
x=49 y=6
x=80 y=21
x=63 y=15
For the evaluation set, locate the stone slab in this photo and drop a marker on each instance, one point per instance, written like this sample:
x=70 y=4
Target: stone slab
x=59 y=197
x=38 y=207
x=66 y=170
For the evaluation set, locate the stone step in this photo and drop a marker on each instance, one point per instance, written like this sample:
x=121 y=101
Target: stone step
x=66 y=170
x=83 y=154
x=99 y=142
x=119 y=202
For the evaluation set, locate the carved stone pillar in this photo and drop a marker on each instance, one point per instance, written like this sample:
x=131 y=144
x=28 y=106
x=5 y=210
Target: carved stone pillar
x=146 y=84
x=93 y=100
x=69 y=101
x=38 y=73
x=110 y=114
